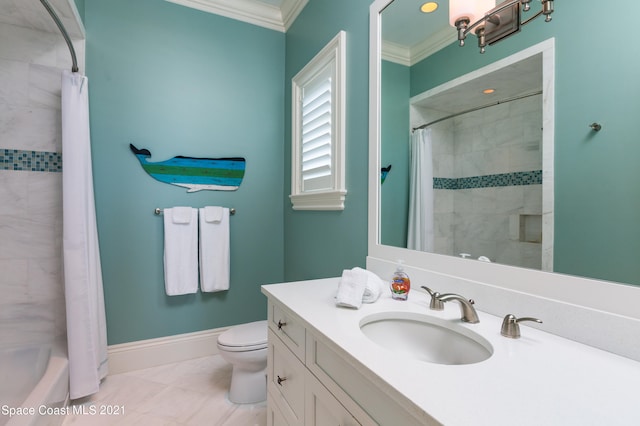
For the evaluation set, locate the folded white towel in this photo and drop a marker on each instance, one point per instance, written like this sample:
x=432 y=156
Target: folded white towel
x=181 y=214
x=214 y=249
x=373 y=287
x=213 y=214
x=180 y=252
x=350 y=290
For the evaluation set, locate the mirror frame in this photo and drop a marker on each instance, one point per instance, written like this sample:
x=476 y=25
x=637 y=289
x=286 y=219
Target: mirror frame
x=605 y=296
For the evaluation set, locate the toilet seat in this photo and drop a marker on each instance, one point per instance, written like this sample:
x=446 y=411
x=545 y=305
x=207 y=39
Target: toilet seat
x=245 y=337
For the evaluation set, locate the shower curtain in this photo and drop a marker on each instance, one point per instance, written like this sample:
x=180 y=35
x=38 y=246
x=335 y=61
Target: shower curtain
x=86 y=324
x=420 y=230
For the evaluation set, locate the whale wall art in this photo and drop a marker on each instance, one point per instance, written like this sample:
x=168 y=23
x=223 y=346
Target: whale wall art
x=195 y=174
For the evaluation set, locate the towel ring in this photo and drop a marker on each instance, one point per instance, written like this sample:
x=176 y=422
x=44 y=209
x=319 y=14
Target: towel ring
x=158 y=211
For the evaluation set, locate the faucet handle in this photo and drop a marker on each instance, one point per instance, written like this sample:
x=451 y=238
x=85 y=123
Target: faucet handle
x=436 y=304
x=511 y=328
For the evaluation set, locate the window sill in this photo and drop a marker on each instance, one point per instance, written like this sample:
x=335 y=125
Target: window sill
x=326 y=200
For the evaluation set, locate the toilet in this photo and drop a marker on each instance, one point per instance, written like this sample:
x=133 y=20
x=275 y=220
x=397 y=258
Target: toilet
x=245 y=347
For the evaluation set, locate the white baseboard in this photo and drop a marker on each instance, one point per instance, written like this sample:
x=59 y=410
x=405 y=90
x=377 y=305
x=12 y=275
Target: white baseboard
x=164 y=350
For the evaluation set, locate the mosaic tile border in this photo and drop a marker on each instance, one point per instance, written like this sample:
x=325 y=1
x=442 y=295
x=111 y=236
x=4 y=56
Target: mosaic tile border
x=533 y=177
x=30 y=161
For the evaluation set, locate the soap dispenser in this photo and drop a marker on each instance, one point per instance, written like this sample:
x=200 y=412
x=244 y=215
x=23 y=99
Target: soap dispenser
x=400 y=284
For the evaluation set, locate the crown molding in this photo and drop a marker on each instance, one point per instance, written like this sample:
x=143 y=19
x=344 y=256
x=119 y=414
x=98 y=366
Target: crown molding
x=409 y=56
x=251 y=11
x=436 y=42
x=394 y=52
x=290 y=9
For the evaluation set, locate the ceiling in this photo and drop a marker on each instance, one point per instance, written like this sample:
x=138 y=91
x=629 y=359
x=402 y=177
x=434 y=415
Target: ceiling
x=512 y=81
x=409 y=36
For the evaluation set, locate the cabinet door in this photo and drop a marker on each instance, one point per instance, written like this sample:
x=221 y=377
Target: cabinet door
x=322 y=408
x=285 y=380
x=274 y=415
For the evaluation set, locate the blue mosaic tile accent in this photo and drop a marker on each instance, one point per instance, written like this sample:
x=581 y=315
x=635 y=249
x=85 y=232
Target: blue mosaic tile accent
x=445 y=183
x=533 y=177
x=31 y=161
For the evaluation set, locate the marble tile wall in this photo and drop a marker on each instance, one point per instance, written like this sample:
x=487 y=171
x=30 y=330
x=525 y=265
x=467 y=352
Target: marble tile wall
x=31 y=287
x=489 y=176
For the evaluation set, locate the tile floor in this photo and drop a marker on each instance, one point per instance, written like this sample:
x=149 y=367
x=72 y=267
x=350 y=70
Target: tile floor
x=192 y=392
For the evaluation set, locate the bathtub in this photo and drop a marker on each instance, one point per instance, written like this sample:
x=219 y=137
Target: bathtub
x=34 y=385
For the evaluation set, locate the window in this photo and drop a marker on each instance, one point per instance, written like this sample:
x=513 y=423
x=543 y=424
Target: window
x=317 y=137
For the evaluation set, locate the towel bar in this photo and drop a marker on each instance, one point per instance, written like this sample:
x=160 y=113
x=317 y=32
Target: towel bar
x=158 y=211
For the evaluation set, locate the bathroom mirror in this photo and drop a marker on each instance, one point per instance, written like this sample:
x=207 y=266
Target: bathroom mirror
x=487 y=155
x=596 y=180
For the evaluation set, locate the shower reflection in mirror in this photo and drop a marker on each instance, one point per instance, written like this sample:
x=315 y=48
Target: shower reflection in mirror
x=475 y=178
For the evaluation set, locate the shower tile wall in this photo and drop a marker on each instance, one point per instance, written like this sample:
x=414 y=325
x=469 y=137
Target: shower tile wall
x=31 y=287
x=485 y=219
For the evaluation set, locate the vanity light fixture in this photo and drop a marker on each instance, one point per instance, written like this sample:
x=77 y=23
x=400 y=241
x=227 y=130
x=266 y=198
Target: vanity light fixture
x=498 y=23
x=429 y=7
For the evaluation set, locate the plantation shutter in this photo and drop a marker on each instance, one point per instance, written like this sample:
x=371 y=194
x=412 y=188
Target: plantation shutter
x=316 y=133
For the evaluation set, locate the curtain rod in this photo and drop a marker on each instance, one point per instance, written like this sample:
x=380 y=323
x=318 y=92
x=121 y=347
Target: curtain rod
x=539 y=92
x=45 y=3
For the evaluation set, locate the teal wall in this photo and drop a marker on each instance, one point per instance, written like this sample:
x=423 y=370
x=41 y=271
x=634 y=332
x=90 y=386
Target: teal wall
x=395 y=151
x=322 y=244
x=597 y=178
x=182 y=82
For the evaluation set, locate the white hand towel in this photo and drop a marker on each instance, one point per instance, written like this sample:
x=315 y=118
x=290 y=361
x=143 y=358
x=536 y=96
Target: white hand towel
x=350 y=290
x=214 y=249
x=181 y=214
x=213 y=214
x=373 y=286
x=180 y=251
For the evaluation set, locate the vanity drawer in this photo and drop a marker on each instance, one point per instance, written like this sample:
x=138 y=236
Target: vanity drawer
x=288 y=328
x=285 y=380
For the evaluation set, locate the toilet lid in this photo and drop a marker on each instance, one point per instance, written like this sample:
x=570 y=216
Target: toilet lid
x=250 y=334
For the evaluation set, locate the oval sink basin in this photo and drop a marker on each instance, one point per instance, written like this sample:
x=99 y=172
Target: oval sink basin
x=426 y=338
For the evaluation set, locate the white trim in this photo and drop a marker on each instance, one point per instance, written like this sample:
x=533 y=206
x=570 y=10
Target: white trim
x=333 y=56
x=397 y=53
x=409 y=56
x=164 y=350
x=436 y=42
x=331 y=200
x=290 y=9
x=251 y=11
x=597 y=297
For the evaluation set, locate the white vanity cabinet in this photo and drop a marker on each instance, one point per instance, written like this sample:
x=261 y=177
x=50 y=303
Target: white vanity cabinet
x=295 y=396
x=335 y=375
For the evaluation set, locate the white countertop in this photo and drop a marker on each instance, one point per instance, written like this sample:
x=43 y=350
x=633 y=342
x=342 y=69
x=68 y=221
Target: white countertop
x=539 y=379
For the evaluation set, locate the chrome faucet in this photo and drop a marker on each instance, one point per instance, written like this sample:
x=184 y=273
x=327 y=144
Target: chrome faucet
x=436 y=304
x=511 y=328
x=467 y=310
